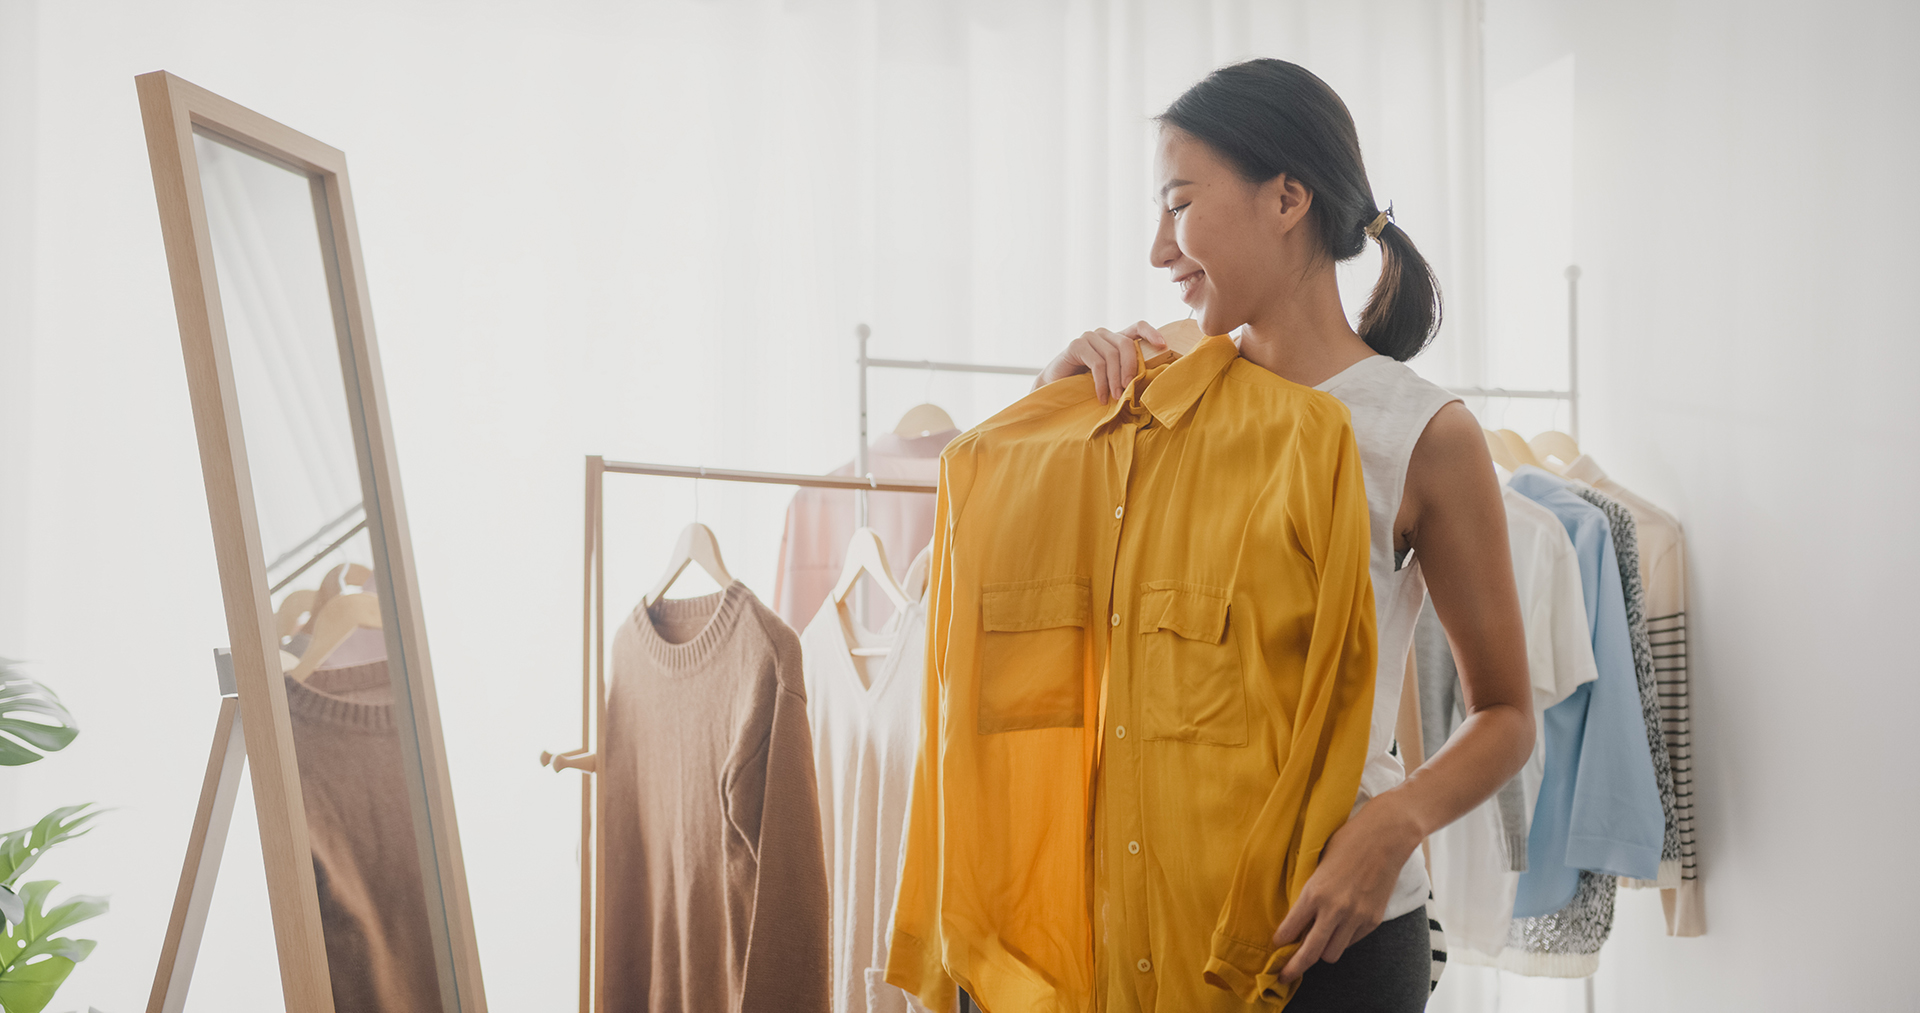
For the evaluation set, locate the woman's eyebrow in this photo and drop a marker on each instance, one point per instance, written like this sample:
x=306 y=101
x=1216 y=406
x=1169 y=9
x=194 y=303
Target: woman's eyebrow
x=1173 y=183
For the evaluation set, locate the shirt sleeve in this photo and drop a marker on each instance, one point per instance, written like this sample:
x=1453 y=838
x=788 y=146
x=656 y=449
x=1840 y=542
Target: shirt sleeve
x=1570 y=643
x=1319 y=773
x=1617 y=823
x=913 y=953
x=788 y=943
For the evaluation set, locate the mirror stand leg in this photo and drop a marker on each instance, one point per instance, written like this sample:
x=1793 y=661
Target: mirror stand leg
x=205 y=844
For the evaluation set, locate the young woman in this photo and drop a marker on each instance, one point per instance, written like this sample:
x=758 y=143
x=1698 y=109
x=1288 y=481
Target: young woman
x=1262 y=191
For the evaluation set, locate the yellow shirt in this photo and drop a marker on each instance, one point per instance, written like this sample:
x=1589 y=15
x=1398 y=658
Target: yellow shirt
x=1202 y=544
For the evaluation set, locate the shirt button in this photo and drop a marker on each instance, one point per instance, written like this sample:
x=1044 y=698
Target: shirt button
x=1116 y=619
x=1133 y=847
x=1144 y=965
x=1117 y=511
x=1120 y=732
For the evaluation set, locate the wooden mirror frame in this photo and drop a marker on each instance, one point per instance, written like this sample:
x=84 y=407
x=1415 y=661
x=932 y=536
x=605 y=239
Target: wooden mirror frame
x=172 y=111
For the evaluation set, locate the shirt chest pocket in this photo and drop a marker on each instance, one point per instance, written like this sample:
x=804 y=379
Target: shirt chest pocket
x=1033 y=651
x=1189 y=679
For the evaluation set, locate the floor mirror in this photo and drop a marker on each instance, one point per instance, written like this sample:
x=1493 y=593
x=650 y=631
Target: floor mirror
x=331 y=693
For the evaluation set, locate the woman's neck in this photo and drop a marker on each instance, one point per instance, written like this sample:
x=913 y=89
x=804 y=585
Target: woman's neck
x=1302 y=334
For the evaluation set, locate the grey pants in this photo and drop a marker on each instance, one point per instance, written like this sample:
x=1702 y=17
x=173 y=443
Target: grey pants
x=1389 y=970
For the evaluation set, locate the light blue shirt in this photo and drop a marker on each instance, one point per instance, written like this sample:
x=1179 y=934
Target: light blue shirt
x=1599 y=806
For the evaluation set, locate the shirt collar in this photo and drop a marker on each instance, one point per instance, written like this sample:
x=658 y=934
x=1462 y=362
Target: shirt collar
x=1586 y=470
x=1169 y=384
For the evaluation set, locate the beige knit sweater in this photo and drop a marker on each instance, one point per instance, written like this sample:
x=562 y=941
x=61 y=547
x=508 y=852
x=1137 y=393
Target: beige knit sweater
x=373 y=906
x=716 y=883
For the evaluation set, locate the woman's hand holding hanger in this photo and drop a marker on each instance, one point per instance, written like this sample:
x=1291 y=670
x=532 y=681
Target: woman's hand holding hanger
x=1108 y=355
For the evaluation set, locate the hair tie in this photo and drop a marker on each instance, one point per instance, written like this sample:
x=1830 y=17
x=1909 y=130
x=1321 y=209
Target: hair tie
x=1379 y=223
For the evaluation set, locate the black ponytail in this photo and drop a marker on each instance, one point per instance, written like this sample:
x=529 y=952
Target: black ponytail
x=1267 y=117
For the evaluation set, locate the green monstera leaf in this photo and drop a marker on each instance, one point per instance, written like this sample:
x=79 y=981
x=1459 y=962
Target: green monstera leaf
x=21 y=848
x=33 y=721
x=37 y=960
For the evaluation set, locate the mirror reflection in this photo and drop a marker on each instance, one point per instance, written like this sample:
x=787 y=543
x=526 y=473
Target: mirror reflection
x=270 y=231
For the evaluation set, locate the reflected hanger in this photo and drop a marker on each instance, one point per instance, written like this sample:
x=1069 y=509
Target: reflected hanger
x=1556 y=443
x=924 y=420
x=696 y=545
x=865 y=552
x=334 y=584
x=332 y=624
x=293 y=612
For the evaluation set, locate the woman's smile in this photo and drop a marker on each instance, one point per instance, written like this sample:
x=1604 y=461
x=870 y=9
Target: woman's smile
x=1189 y=284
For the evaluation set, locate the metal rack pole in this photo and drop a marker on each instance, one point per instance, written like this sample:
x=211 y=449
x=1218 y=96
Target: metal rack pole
x=1573 y=352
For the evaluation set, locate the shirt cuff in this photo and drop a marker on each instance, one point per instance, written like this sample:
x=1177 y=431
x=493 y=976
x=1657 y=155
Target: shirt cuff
x=1249 y=971
x=915 y=968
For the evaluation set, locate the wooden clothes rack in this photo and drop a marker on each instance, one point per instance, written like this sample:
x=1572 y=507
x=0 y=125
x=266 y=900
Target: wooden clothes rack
x=593 y=634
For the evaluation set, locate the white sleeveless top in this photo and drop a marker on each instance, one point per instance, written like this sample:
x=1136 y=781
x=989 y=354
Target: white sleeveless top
x=1391 y=406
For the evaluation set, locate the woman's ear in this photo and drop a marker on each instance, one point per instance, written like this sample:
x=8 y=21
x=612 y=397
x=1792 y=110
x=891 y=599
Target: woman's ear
x=1283 y=202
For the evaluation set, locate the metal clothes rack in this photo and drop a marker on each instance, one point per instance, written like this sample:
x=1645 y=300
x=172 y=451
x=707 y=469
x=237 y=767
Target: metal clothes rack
x=866 y=362
x=1572 y=394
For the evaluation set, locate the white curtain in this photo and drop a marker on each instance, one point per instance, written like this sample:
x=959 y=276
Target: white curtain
x=645 y=230
x=972 y=178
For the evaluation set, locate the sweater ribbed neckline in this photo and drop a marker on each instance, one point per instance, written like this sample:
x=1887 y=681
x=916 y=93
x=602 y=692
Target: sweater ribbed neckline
x=719 y=611
x=312 y=701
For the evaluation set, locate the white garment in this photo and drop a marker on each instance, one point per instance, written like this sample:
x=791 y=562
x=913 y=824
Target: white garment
x=1473 y=883
x=865 y=713
x=820 y=521
x=1390 y=405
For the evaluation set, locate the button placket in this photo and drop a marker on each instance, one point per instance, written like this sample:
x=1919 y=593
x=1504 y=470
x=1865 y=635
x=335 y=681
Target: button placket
x=1124 y=786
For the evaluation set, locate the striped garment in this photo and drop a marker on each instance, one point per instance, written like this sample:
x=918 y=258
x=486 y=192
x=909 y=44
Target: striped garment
x=1663 y=566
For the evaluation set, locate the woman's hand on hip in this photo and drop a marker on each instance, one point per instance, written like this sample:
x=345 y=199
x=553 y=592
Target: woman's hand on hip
x=1108 y=355
x=1347 y=895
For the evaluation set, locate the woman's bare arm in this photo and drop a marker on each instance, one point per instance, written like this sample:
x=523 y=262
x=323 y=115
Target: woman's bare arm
x=1453 y=518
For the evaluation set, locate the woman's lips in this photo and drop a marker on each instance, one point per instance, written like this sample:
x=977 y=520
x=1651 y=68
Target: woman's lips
x=1189 y=284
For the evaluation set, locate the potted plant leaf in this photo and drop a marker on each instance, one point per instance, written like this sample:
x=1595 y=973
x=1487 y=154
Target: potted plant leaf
x=35 y=959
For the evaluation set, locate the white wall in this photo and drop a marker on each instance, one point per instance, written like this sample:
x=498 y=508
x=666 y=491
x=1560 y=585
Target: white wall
x=1740 y=207
x=643 y=230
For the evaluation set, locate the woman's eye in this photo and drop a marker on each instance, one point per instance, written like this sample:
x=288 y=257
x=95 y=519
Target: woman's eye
x=1175 y=211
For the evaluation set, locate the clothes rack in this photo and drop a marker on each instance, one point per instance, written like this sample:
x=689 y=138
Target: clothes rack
x=1572 y=394
x=866 y=362
x=593 y=669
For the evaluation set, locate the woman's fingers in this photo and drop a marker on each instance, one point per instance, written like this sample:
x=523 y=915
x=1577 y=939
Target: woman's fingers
x=1296 y=921
x=1121 y=366
x=1310 y=949
x=1085 y=350
x=1343 y=937
x=1148 y=333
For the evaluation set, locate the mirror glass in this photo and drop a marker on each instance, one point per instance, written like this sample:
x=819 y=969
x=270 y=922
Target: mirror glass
x=293 y=376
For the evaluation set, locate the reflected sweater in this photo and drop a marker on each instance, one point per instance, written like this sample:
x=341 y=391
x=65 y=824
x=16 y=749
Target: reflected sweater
x=373 y=904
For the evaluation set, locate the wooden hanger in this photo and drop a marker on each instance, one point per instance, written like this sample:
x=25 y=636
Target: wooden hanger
x=1555 y=443
x=696 y=545
x=335 y=583
x=865 y=552
x=1502 y=454
x=1182 y=335
x=293 y=611
x=924 y=420
x=333 y=624
x=1517 y=445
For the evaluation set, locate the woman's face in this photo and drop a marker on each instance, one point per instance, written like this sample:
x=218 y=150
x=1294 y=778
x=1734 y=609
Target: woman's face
x=1223 y=240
